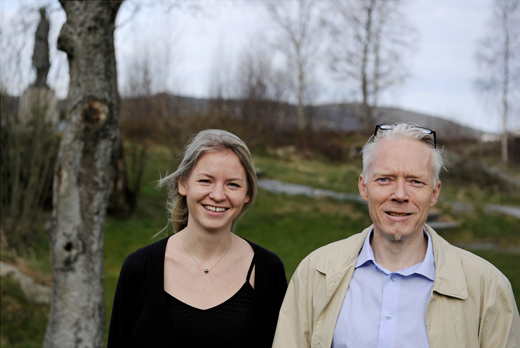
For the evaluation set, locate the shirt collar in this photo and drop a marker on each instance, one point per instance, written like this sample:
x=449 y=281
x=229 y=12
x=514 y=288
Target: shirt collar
x=426 y=268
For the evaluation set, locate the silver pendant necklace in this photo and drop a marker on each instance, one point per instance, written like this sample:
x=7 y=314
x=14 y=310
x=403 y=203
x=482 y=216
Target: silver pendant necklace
x=206 y=270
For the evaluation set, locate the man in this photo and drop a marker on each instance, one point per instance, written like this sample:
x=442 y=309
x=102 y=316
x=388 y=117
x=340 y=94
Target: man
x=398 y=283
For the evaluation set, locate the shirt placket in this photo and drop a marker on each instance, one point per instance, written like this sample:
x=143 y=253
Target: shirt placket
x=389 y=311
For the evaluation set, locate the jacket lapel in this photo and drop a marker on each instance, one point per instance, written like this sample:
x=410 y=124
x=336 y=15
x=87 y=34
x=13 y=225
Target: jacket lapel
x=450 y=279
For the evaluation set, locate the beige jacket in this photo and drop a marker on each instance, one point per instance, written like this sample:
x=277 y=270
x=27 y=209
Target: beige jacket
x=471 y=305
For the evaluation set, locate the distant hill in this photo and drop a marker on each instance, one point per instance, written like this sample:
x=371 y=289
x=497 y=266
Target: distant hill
x=347 y=117
x=344 y=116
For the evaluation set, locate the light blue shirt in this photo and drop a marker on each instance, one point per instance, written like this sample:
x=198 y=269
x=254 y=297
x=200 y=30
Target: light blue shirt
x=385 y=309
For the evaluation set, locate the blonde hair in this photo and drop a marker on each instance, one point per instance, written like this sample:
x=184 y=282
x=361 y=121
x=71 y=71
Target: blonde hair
x=209 y=140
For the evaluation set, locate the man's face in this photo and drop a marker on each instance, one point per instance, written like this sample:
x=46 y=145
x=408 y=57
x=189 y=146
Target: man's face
x=399 y=187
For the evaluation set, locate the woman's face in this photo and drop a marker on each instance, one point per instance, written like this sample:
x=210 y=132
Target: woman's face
x=215 y=191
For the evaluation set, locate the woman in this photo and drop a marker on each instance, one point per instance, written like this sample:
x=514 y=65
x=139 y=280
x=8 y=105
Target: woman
x=202 y=286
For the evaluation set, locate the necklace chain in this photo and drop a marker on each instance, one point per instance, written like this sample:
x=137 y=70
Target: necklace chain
x=206 y=270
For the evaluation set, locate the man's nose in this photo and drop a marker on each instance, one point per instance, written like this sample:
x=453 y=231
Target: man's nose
x=400 y=193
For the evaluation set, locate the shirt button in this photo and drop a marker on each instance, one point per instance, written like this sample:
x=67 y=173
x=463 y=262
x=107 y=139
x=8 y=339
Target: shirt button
x=393 y=278
x=389 y=316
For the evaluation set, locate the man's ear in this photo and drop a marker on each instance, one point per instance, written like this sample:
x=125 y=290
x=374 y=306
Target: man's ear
x=362 y=188
x=182 y=186
x=435 y=194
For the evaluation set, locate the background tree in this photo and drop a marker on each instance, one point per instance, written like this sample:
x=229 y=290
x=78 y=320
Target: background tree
x=299 y=27
x=260 y=89
x=220 y=90
x=498 y=57
x=82 y=175
x=370 y=41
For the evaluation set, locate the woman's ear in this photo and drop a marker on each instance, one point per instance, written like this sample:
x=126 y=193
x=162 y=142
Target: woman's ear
x=182 y=186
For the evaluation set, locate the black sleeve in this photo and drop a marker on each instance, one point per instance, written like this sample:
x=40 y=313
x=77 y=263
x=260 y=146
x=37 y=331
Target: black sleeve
x=278 y=287
x=130 y=284
x=271 y=284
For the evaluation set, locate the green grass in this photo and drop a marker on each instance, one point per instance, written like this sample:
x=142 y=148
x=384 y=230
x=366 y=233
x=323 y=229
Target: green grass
x=293 y=226
x=311 y=172
x=507 y=263
x=23 y=323
x=290 y=226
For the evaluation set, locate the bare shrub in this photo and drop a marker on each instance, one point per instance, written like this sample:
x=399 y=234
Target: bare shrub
x=29 y=150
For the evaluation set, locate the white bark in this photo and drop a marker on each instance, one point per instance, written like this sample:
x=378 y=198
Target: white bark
x=83 y=170
x=371 y=40
x=300 y=37
x=498 y=58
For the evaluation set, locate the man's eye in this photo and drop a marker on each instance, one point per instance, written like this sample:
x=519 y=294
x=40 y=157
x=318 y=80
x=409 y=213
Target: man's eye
x=383 y=179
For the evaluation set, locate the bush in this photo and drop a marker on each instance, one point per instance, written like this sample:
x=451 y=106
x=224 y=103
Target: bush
x=28 y=152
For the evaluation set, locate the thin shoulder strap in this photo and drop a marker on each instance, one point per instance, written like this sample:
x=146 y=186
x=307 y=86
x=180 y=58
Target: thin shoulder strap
x=251 y=268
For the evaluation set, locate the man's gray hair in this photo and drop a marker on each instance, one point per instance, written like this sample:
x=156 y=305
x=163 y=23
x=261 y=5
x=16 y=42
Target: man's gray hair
x=403 y=131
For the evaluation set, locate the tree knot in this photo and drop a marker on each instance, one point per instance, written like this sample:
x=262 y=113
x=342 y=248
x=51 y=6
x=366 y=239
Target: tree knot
x=94 y=114
x=69 y=252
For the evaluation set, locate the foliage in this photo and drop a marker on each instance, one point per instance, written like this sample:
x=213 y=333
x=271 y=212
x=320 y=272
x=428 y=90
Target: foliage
x=28 y=151
x=170 y=121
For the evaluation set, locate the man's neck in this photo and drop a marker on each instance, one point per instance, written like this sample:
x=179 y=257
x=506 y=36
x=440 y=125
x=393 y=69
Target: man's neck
x=395 y=255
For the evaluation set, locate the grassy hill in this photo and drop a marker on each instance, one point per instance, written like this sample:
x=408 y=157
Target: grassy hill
x=291 y=226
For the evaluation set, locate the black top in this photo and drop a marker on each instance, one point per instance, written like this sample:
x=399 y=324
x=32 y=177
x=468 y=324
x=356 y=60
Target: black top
x=223 y=325
x=140 y=314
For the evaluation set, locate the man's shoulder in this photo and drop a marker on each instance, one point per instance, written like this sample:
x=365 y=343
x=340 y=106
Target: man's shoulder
x=476 y=269
x=340 y=245
x=341 y=251
x=476 y=266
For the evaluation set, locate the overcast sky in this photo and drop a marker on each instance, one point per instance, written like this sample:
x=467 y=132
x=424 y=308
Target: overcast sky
x=443 y=66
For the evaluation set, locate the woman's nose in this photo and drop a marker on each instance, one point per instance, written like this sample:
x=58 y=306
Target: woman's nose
x=218 y=193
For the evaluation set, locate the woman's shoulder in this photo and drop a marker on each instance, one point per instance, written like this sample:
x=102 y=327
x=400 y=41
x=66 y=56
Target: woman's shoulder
x=263 y=253
x=153 y=252
x=270 y=274
x=267 y=262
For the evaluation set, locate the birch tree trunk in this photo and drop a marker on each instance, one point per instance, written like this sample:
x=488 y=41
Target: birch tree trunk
x=499 y=61
x=300 y=29
x=82 y=175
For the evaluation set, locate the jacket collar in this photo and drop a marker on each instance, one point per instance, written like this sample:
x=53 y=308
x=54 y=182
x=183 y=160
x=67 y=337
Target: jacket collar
x=340 y=261
x=450 y=279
